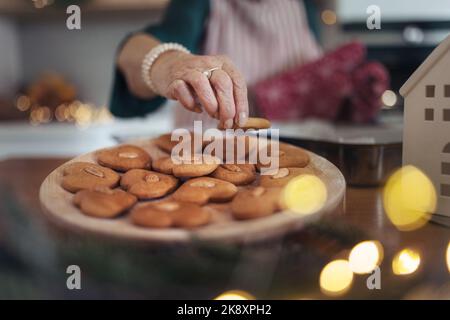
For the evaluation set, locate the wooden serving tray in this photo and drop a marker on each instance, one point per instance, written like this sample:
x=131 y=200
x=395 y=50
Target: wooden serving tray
x=58 y=208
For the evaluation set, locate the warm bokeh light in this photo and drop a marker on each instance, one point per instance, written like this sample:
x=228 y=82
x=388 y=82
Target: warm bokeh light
x=304 y=194
x=40 y=115
x=60 y=113
x=409 y=198
x=447 y=257
x=389 y=99
x=336 y=278
x=39 y=4
x=235 y=295
x=365 y=257
x=406 y=262
x=23 y=103
x=83 y=115
x=329 y=17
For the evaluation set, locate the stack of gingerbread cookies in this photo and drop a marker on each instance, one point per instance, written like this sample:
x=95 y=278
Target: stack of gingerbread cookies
x=161 y=193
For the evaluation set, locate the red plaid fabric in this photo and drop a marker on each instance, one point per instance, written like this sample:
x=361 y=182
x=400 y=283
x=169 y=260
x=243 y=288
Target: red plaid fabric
x=322 y=89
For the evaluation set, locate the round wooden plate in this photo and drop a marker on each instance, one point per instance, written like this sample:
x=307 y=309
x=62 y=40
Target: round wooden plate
x=58 y=207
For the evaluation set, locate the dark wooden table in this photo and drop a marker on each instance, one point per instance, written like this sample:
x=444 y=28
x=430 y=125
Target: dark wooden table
x=33 y=256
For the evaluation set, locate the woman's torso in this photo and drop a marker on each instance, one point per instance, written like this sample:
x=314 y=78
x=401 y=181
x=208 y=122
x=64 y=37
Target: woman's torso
x=261 y=37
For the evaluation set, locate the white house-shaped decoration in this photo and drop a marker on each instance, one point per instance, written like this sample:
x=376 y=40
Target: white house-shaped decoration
x=426 y=135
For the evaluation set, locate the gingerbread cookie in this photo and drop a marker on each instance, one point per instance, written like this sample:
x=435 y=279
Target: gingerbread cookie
x=229 y=149
x=85 y=175
x=124 y=158
x=205 y=189
x=255 y=203
x=146 y=184
x=163 y=165
x=170 y=213
x=237 y=174
x=103 y=202
x=281 y=177
x=165 y=143
x=197 y=166
x=252 y=123
x=288 y=156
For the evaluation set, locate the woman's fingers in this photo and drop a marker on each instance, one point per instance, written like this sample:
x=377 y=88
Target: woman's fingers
x=181 y=92
x=239 y=92
x=223 y=86
x=223 y=95
x=199 y=82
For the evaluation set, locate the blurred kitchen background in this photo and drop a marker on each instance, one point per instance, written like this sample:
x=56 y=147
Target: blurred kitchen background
x=55 y=83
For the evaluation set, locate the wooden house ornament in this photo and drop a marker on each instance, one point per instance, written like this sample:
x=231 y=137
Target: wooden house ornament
x=426 y=135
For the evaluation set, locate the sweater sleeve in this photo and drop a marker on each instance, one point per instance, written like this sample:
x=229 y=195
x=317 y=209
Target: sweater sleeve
x=183 y=23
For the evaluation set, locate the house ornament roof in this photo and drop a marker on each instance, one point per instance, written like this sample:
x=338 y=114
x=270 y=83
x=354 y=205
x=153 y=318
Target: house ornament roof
x=426 y=66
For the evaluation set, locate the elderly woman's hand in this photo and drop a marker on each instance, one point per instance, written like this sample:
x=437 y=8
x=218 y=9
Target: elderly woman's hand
x=180 y=76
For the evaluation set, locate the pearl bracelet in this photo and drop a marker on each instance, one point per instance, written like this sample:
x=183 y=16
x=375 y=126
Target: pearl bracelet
x=152 y=56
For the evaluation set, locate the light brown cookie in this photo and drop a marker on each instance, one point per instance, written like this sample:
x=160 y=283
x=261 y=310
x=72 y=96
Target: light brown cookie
x=85 y=175
x=205 y=189
x=163 y=165
x=255 y=203
x=252 y=123
x=103 y=202
x=288 y=157
x=281 y=177
x=146 y=184
x=169 y=213
x=237 y=174
x=197 y=166
x=124 y=158
x=229 y=149
x=165 y=143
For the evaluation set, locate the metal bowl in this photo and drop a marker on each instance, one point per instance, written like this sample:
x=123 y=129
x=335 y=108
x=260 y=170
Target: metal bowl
x=362 y=164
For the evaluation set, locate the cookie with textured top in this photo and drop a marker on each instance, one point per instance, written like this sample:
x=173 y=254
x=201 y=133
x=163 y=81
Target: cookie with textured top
x=103 y=202
x=194 y=143
x=205 y=189
x=85 y=175
x=229 y=148
x=281 y=177
x=163 y=165
x=165 y=143
x=124 y=158
x=255 y=203
x=146 y=184
x=169 y=213
x=196 y=166
x=237 y=174
x=287 y=155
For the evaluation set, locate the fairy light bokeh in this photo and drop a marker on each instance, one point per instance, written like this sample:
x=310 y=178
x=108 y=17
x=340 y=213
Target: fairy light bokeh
x=304 y=194
x=39 y=4
x=336 y=278
x=235 y=295
x=365 y=257
x=409 y=198
x=81 y=114
x=406 y=262
x=389 y=99
x=328 y=17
